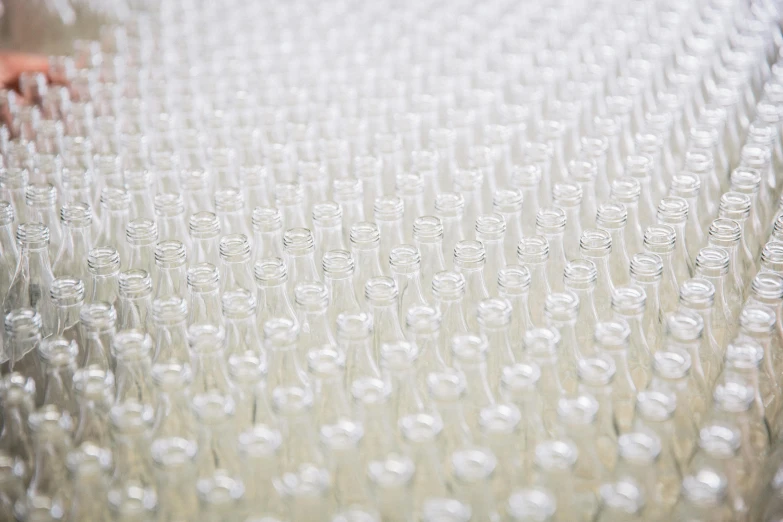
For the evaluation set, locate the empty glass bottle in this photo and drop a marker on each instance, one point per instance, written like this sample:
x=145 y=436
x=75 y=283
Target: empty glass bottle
x=687 y=185
x=267 y=232
x=490 y=231
x=450 y=209
x=613 y=218
x=204 y=232
x=661 y=240
x=703 y=498
x=428 y=238
x=627 y=191
x=365 y=247
x=533 y=254
x=32 y=279
x=103 y=265
x=509 y=204
x=338 y=269
x=16 y=441
x=550 y=224
x=170 y=258
x=698 y=295
x=673 y=211
x=142 y=236
x=712 y=264
x=272 y=294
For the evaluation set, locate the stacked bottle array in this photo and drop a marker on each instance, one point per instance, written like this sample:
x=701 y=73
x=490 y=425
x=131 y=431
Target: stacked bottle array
x=430 y=261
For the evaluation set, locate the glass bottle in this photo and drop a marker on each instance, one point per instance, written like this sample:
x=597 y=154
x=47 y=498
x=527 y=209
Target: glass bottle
x=89 y=493
x=712 y=264
x=135 y=300
x=58 y=358
x=428 y=238
x=286 y=368
x=660 y=240
x=531 y=504
x=580 y=278
x=267 y=233
x=170 y=217
x=135 y=393
x=748 y=182
x=490 y=231
x=338 y=270
x=470 y=261
x=170 y=258
x=174 y=471
x=687 y=185
x=550 y=224
x=94 y=390
x=32 y=279
x=469 y=353
x=468 y=183
x=382 y=296
x=13 y=182
x=328 y=228
x=726 y=234
x=349 y=193
x=103 y=264
x=533 y=254
x=300 y=256
x=41 y=200
x=410 y=188
x=259 y=451
x=204 y=294
x=596 y=246
x=627 y=191
x=509 y=204
x=639 y=167
x=22 y=338
x=96 y=335
x=698 y=295
x=236 y=273
x=312 y=303
x=472 y=470
x=562 y=311
x=204 y=232
x=289 y=198
x=271 y=279
x=555 y=461
x=115 y=214
x=142 y=236
x=703 y=498
x=170 y=318
x=527 y=179
x=583 y=173
x=391 y=481
x=230 y=210
x=67 y=295
x=365 y=247
x=16 y=441
x=8 y=252
x=736 y=206
x=52 y=442
x=612 y=218
x=450 y=209
x=673 y=211
x=621 y=500
x=568 y=196
x=405 y=262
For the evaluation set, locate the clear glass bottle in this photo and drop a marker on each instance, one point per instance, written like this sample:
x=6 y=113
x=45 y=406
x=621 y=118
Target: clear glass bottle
x=647 y=272
x=627 y=191
x=382 y=296
x=58 y=358
x=67 y=296
x=170 y=318
x=32 y=279
x=562 y=311
x=230 y=210
x=390 y=482
x=135 y=392
x=509 y=204
x=450 y=209
x=661 y=240
x=312 y=303
x=338 y=268
x=550 y=224
x=673 y=211
x=554 y=465
x=289 y=199
x=366 y=250
x=470 y=261
x=639 y=167
x=583 y=172
x=748 y=182
x=170 y=258
x=698 y=295
x=236 y=273
x=327 y=228
x=96 y=335
x=41 y=203
x=687 y=185
x=286 y=368
x=349 y=193
x=8 y=252
x=531 y=504
x=174 y=472
x=300 y=257
x=52 y=442
x=596 y=246
x=428 y=238
x=490 y=231
x=712 y=264
x=94 y=390
x=22 y=328
x=142 y=236
x=703 y=498
x=16 y=441
x=410 y=188
x=115 y=214
x=468 y=183
x=533 y=254
x=89 y=494
x=103 y=264
x=271 y=279
x=736 y=206
x=259 y=451
x=170 y=217
x=204 y=232
x=472 y=471
x=527 y=179
x=405 y=262
x=355 y=339
x=613 y=218
x=580 y=278
x=267 y=232
x=446 y=390
x=568 y=196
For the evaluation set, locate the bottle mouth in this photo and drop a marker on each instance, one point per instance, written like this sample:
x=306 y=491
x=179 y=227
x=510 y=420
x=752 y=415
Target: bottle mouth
x=639 y=167
x=354 y=327
x=579 y=410
x=494 y=313
x=229 y=200
x=449 y=205
x=490 y=227
x=170 y=253
x=712 y=262
x=114 y=199
x=655 y=406
x=744 y=354
x=381 y=291
x=556 y=456
x=169 y=310
x=448 y=285
x=103 y=261
x=141 y=232
x=288 y=194
x=626 y=190
x=580 y=274
x=296 y=241
x=203 y=277
x=58 y=351
x=697 y=294
x=327 y=214
x=646 y=267
x=684 y=326
x=337 y=264
x=533 y=250
x=469 y=254
x=446 y=386
x=23 y=324
x=235 y=248
x=611 y=216
x=99 y=316
x=405 y=259
x=561 y=307
x=409 y=185
x=131 y=345
x=67 y=291
x=734 y=205
x=755 y=156
x=265 y=219
x=169 y=205
x=527 y=176
x=597 y=371
x=582 y=171
x=468 y=180
x=685 y=185
x=757 y=319
x=41 y=195
x=270 y=272
x=369 y=166
x=253 y=176
x=14 y=178
x=311 y=296
x=423 y=320
x=506 y=201
x=673 y=210
x=612 y=335
x=427 y=229
x=595 y=243
x=745 y=180
x=648 y=143
x=767 y=287
x=659 y=239
x=567 y=195
x=514 y=281
x=311 y=171
x=365 y=236
x=206 y=339
x=347 y=189
x=550 y=220
x=33 y=236
x=238 y=304
x=725 y=233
